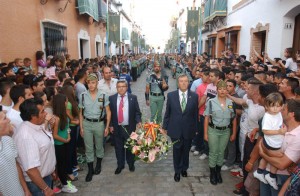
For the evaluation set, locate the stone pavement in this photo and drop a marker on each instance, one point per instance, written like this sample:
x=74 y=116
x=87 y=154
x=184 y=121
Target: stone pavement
x=155 y=178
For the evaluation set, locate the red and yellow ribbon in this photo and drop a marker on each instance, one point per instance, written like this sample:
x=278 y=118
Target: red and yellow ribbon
x=151 y=129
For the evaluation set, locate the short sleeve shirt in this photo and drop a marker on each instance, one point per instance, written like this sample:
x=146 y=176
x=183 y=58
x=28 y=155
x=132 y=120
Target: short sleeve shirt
x=273 y=122
x=290 y=64
x=79 y=88
x=154 y=83
x=255 y=113
x=35 y=149
x=110 y=89
x=200 y=91
x=220 y=117
x=93 y=108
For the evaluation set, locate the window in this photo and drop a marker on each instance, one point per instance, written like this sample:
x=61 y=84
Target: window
x=55 y=38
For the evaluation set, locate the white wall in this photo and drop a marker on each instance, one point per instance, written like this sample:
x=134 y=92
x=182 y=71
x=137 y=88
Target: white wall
x=265 y=11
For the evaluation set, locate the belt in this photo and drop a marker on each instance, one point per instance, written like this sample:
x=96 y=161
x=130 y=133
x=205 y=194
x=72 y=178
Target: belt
x=219 y=128
x=155 y=94
x=93 y=120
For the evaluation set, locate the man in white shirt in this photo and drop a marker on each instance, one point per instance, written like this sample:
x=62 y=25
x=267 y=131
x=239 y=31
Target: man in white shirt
x=18 y=94
x=107 y=85
x=35 y=146
x=6 y=101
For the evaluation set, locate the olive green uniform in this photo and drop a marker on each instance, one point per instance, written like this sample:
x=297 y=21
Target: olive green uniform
x=156 y=97
x=218 y=129
x=93 y=123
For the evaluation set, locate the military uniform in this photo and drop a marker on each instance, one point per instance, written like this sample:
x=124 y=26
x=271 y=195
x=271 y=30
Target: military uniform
x=218 y=129
x=156 y=96
x=179 y=70
x=93 y=123
x=188 y=72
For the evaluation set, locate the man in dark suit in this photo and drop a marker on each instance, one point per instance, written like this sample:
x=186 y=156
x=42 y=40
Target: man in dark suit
x=180 y=123
x=125 y=115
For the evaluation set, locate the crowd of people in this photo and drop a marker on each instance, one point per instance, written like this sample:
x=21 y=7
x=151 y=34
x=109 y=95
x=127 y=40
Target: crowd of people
x=245 y=112
x=47 y=111
x=248 y=120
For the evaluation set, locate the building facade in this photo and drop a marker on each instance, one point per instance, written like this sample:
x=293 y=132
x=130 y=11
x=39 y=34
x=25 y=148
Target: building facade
x=264 y=25
x=60 y=27
x=55 y=27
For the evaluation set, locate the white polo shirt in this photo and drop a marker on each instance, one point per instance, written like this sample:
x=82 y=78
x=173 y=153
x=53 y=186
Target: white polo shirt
x=110 y=89
x=35 y=149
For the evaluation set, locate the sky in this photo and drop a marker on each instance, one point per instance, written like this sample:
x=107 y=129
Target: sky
x=154 y=17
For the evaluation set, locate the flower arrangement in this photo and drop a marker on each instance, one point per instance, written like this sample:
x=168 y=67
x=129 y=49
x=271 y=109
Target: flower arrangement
x=148 y=144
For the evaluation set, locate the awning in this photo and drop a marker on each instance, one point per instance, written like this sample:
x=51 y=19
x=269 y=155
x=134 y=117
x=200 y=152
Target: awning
x=89 y=7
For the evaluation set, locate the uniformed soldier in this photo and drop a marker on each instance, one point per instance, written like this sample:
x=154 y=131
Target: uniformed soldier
x=219 y=119
x=187 y=69
x=94 y=106
x=179 y=69
x=155 y=86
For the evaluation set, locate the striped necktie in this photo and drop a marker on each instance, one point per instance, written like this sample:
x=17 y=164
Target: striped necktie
x=183 y=102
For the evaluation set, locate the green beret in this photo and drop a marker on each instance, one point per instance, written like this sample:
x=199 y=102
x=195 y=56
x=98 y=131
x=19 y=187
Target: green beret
x=92 y=76
x=221 y=84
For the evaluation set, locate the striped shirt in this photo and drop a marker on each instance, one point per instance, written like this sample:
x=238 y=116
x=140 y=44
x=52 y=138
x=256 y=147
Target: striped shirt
x=35 y=149
x=9 y=178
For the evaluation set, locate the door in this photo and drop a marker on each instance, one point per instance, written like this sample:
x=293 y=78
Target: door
x=296 y=42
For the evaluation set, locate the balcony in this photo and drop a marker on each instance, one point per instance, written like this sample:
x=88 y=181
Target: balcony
x=97 y=9
x=213 y=9
x=102 y=10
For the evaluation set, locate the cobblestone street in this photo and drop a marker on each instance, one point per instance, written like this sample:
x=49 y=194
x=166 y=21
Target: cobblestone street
x=156 y=178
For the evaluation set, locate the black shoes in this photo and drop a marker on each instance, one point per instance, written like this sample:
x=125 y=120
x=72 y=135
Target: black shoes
x=119 y=170
x=184 y=174
x=90 y=174
x=98 y=166
x=131 y=167
x=177 y=177
x=218 y=174
x=213 y=176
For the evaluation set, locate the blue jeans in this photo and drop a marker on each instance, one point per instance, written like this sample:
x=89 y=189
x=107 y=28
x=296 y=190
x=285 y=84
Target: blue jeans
x=35 y=190
x=266 y=189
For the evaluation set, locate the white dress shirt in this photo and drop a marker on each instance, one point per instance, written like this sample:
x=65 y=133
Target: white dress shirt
x=125 y=109
x=180 y=96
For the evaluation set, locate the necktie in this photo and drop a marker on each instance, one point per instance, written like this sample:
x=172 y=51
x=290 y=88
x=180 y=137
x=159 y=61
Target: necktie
x=183 y=102
x=120 y=112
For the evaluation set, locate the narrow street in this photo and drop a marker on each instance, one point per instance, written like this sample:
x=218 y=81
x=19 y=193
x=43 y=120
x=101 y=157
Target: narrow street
x=155 y=178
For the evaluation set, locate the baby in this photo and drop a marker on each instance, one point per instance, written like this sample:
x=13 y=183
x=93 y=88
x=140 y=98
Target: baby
x=273 y=136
